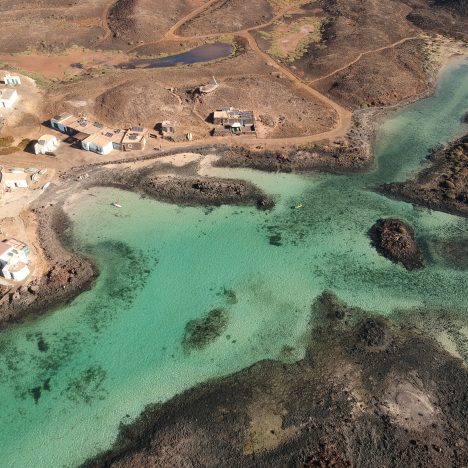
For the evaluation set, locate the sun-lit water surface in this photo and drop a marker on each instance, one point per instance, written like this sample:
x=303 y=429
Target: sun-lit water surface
x=68 y=379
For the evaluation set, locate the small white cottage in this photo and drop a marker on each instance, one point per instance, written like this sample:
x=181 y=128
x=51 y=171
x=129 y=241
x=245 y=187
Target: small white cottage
x=7 y=97
x=11 y=80
x=14 y=180
x=46 y=144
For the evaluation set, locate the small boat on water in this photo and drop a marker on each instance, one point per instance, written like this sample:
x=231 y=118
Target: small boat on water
x=117 y=205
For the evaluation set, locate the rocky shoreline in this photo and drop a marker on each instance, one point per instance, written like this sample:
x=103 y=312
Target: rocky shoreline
x=204 y=191
x=370 y=391
x=443 y=185
x=68 y=274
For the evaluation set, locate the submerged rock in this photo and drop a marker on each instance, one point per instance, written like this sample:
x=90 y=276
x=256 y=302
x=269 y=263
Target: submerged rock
x=199 y=333
x=394 y=239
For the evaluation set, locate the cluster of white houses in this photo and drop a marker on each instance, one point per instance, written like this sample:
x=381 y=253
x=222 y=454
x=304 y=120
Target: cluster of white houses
x=14 y=260
x=96 y=137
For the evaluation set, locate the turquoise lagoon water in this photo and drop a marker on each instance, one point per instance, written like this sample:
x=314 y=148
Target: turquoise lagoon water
x=68 y=379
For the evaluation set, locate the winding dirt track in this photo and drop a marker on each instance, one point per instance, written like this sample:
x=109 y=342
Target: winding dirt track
x=359 y=57
x=343 y=115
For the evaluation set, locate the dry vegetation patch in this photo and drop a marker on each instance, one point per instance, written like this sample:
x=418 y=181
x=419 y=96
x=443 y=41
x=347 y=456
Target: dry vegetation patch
x=289 y=41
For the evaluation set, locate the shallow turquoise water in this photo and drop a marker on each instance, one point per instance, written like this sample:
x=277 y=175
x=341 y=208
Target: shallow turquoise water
x=116 y=348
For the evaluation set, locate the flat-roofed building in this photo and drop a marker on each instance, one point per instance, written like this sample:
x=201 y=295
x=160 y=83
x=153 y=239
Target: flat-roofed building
x=61 y=122
x=11 y=80
x=7 y=97
x=234 y=121
x=101 y=143
x=14 y=180
x=134 y=139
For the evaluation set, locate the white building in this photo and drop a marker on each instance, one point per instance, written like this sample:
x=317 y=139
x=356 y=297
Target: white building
x=101 y=143
x=61 y=122
x=14 y=180
x=7 y=97
x=13 y=260
x=46 y=144
x=11 y=80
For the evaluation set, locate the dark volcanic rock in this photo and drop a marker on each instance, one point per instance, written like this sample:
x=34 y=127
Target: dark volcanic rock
x=394 y=239
x=441 y=186
x=349 y=402
x=199 y=333
x=205 y=191
x=372 y=332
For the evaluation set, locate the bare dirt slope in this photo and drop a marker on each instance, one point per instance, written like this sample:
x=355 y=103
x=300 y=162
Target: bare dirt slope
x=228 y=16
x=351 y=28
x=50 y=25
x=142 y=97
x=146 y=20
x=380 y=78
x=145 y=102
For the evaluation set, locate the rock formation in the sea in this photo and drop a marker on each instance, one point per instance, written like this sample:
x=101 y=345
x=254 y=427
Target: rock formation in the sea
x=394 y=239
x=199 y=333
x=205 y=191
x=369 y=392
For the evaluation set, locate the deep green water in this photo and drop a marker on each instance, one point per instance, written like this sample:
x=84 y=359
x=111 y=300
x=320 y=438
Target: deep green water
x=117 y=348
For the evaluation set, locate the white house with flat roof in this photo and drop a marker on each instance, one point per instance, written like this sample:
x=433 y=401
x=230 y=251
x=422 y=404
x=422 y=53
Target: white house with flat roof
x=14 y=179
x=13 y=261
x=11 y=80
x=8 y=97
x=101 y=143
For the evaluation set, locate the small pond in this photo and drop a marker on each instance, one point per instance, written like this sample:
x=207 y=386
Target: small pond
x=204 y=53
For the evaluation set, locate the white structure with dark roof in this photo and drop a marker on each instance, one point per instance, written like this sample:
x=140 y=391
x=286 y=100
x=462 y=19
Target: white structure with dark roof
x=14 y=260
x=7 y=97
